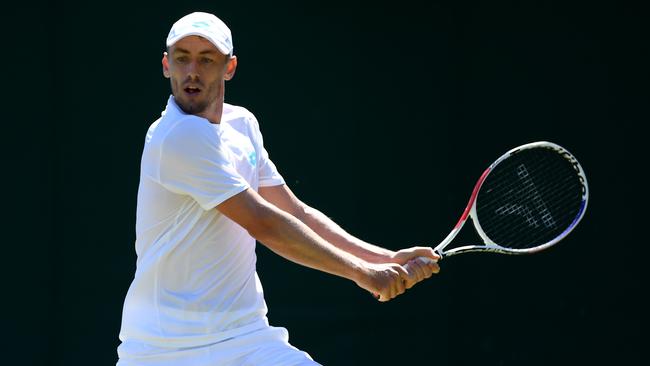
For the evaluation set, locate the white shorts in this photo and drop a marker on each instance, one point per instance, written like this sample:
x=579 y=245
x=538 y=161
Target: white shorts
x=269 y=346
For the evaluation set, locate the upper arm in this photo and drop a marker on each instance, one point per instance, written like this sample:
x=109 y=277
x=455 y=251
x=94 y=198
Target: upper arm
x=249 y=210
x=283 y=198
x=193 y=162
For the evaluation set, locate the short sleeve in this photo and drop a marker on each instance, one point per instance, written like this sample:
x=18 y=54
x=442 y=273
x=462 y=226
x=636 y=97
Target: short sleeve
x=194 y=163
x=268 y=173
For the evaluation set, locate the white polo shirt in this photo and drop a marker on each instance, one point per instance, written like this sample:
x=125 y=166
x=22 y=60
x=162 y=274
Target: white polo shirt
x=195 y=282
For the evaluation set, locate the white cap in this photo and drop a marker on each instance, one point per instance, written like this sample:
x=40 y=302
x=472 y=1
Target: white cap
x=205 y=25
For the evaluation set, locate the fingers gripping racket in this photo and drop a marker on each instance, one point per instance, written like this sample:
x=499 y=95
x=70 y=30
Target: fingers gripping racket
x=529 y=199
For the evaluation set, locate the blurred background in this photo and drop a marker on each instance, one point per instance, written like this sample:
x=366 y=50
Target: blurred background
x=380 y=114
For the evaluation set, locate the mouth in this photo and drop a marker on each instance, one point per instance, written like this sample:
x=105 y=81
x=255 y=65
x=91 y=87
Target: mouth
x=192 y=90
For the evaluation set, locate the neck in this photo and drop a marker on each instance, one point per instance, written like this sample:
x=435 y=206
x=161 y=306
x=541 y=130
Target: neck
x=213 y=113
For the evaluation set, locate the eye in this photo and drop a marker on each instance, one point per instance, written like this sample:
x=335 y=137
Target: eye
x=182 y=59
x=206 y=60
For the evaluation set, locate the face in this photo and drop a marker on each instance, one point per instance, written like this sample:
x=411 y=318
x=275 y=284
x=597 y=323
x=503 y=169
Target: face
x=197 y=71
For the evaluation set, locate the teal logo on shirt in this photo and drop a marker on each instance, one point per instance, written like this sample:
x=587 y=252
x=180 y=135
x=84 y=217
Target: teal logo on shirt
x=252 y=158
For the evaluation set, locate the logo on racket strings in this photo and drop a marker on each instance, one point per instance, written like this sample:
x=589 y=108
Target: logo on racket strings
x=530 y=202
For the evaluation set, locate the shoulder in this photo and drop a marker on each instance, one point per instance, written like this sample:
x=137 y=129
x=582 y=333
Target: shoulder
x=174 y=124
x=173 y=141
x=189 y=134
x=237 y=115
x=234 y=111
x=189 y=124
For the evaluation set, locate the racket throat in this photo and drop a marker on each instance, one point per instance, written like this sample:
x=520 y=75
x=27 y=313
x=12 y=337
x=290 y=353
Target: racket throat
x=439 y=249
x=470 y=204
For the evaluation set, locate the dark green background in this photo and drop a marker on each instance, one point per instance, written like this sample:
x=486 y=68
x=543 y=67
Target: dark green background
x=380 y=114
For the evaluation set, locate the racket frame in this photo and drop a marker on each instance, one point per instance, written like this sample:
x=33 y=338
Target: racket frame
x=470 y=209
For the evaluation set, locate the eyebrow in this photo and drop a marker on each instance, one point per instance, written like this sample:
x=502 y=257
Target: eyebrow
x=182 y=50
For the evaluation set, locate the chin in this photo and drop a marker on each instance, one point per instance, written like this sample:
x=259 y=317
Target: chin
x=191 y=107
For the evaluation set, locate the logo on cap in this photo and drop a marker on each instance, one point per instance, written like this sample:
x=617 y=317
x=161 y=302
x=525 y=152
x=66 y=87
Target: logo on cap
x=200 y=24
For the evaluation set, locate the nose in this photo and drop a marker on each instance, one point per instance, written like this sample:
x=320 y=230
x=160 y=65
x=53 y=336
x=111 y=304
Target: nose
x=193 y=70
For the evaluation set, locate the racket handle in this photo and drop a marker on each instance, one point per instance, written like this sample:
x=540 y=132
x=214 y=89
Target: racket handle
x=426 y=260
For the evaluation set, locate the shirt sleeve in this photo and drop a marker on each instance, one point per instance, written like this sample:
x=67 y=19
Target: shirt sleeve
x=268 y=173
x=194 y=163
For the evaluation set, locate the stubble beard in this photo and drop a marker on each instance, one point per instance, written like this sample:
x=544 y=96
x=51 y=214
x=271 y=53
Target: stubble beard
x=191 y=105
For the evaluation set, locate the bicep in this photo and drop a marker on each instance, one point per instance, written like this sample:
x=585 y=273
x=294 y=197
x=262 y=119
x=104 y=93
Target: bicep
x=248 y=209
x=264 y=221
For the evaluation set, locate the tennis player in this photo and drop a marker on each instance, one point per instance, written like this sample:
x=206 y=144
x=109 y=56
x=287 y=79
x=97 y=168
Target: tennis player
x=208 y=191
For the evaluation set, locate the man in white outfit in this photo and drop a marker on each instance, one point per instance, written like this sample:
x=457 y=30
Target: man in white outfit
x=208 y=191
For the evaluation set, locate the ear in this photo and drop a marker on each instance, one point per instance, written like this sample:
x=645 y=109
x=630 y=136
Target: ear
x=230 y=68
x=165 y=65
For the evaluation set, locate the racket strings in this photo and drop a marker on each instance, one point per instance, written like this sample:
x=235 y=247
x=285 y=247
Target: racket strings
x=555 y=206
x=555 y=187
x=529 y=230
x=529 y=199
x=529 y=210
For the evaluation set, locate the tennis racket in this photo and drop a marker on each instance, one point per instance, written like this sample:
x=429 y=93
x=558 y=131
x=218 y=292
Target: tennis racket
x=528 y=200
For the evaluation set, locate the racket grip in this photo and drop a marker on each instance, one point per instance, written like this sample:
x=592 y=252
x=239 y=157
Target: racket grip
x=426 y=260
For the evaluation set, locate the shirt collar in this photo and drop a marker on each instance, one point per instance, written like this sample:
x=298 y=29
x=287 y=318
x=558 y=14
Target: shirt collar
x=173 y=110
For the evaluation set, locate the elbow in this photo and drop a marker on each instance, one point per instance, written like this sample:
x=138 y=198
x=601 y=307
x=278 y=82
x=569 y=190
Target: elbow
x=262 y=227
x=259 y=233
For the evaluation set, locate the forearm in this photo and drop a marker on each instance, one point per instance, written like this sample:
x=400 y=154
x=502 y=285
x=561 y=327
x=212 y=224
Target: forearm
x=287 y=236
x=284 y=199
x=333 y=233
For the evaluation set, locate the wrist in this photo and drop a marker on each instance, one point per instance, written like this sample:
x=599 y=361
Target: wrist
x=359 y=272
x=379 y=255
x=399 y=257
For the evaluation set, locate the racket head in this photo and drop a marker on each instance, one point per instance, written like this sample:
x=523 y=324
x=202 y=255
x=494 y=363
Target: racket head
x=528 y=200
